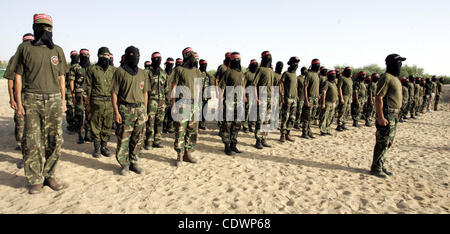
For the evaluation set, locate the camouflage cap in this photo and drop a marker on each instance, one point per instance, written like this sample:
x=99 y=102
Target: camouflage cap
x=42 y=19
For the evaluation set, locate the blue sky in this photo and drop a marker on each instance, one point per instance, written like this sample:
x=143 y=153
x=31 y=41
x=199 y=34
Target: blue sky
x=337 y=32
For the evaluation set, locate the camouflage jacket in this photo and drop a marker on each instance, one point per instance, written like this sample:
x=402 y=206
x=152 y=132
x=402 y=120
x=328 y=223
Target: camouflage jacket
x=158 y=84
x=78 y=75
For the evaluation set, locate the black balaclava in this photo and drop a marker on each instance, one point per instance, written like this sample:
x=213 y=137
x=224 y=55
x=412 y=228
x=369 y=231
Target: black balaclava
x=441 y=80
x=196 y=60
x=43 y=35
x=226 y=62
x=362 y=76
x=347 y=72
x=169 y=65
x=203 y=65
x=433 y=78
x=375 y=77
x=104 y=59
x=368 y=80
x=428 y=80
x=74 y=57
x=323 y=71
x=304 y=71
x=156 y=63
x=131 y=62
x=253 y=66
x=422 y=83
x=418 y=80
x=411 y=79
x=188 y=58
x=338 y=74
x=279 y=67
x=331 y=76
x=266 y=59
x=147 y=65
x=28 y=37
x=315 y=65
x=404 y=81
x=394 y=64
x=235 y=61
x=84 y=58
x=293 y=64
x=179 y=62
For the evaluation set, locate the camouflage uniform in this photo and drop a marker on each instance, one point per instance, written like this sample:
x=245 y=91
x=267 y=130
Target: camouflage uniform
x=312 y=82
x=300 y=101
x=355 y=108
x=264 y=78
x=331 y=97
x=168 y=121
x=369 y=108
x=404 y=109
x=156 y=106
x=249 y=124
x=438 y=95
x=346 y=84
x=207 y=81
x=70 y=113
x=411 y=101
x=77 y=74
x=289 y=108
x=418 y=97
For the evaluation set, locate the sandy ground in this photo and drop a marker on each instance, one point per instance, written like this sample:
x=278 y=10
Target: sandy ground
x=326 y=175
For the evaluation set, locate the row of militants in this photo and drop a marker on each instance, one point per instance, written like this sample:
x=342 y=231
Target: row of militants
x=144 y=103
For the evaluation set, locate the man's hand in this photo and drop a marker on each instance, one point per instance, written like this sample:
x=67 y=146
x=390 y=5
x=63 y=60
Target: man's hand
x=20 y=111
x=74 y=100
x=64 y=108
x=382 y=121
x=13 y=105
x=307 y=104
x=323 y=106
x=118 y=118
x=342 y=101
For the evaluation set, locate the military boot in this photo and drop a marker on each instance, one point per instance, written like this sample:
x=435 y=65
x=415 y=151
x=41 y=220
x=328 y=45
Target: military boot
x=288 y=137
x=35 y=188
x=157 y=146
x=250 y=128
x=339 y=128
x=264 y=143
x=147 y=146
x=80 y=138
x=87 y=136
x=125 y=171
x=96 y=153
x=179 y=162
x=379 y=174
x=282 y=138
x=245 y=130
x=304 y=135
x=389 y=173
x=104 y=150
x=344 y=127
x=51 y=182
x=234 y=148
x=258 y=144
x=311 y=135
x=228 y=150
x=188 y=157
x=368 y=124
x=136 y=168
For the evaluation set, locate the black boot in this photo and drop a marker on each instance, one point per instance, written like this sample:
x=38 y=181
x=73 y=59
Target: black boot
x=87 y=136
x=80 y=138
x=311 y=135
x=264 y=143
x=339 y=128
x=104 y=150
x=288 y=137
x=235 y=149
x=258 y=144
x=228 y=150
x=304 y=135
x=96 y=153
x=282 y=138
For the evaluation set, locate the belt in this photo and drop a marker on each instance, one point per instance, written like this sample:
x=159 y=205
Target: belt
x=102 y=98
x=43 y=96
x=132 y=105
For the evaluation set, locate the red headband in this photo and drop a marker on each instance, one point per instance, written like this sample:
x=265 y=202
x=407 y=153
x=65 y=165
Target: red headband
x=196 y=55
x=331 y=73
x=42 y=16
x=227 y=55
x=265 y=54
x=203 y=62
x=156 y=55
x=147 y=63
x=169 y=61
x=187 y=50
x=111 y=55
x=84 y=51
x=74 y=52
x=349 y=68
x=315 y=62
x=376 y=75
x=235 y=56
x=253 y=61
x=29 y=37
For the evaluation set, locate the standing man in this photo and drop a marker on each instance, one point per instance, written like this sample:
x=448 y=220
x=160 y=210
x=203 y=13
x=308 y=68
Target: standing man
x=405 y=95
x=359 y=96
x=249 y=77
x=129 y=95
x=70 y=113
x=206 y=82
x=77 y=77
x=19 y=122
x=438 y=93
x=99 y=106
x=264 y=80
x=288 y=96
x=417 y=93
x=311 y=93
x=433 y=92
x=220 y=71
x=371 y=93
x=185 y=128
x=411 y=104
x=329 y=101
x=388 y=103
x=300 y=96
x=276 y=82
x=168 y=121
x=234 y=78
x=156 y=104
x=40 y=67
x=345 y=90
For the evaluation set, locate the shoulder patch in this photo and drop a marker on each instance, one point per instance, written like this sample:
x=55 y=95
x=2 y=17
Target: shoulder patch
x=54 y=60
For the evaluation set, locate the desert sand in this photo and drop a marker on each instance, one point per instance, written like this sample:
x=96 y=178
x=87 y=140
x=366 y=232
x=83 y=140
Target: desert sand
x=325 y=175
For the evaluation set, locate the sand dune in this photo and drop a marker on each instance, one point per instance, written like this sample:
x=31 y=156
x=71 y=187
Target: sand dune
x=326 y=175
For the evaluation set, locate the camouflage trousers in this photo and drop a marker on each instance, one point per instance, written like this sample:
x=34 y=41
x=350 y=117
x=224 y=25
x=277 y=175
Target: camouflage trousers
x=419 y=102
x=327 y=117
x=298 y=114
x=70 y=113
x=309 y=115
x=356 y=109
x=263 y=120
x=186 y=130
x=81 y=117
x=130 y=135
x=156 y=112
x=436 y=102
x=102 y=114
x=425 y=103
x=384 y=139
x=343 y=110
x=404 y=109
x=368 y=111
x=19 y=128
x=288 y=113
x=230 y=129
x=168 y=121
x=43 y=136
x=412 y=108
x=248 y=123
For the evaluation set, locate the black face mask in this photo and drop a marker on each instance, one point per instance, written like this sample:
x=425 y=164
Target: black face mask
x=203 y=67
x=279 y=67
x=226 y=61
x=131 y=61
x=303 y=71
x=375 y=79
x=323 y=72
x=169 y=68
x=75 y=59
x=156 y=62
x=103 y=62
x=393 y=67
x=411 y=79
x=367 y=81
x=315 y=67
x=293 y=68
x=347 y=73
x=84 y=61
x=42 y=36
x=252 y=67
x=196 y=64
x=361 y=78
x=331 y=77
x=338 y=74
x=266 y=61
x=235 y=64
x=178 y=64
x=189 y=62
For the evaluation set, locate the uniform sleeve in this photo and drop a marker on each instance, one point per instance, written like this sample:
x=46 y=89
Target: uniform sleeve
x=382 y=86
x=257 y=77
x=89 y=77
x=9 y=73
x=325 y=87
x=62 y=65
x=17 y=62
x=339 y=84
x=146 y=83
x=307 y=80
x=176 y=77
x=283 y=77
x=115 y=83
x=223 y=81
x=72 y=73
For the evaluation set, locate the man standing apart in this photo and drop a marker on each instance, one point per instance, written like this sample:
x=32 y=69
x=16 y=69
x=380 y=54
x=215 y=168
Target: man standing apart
x=345 y=90
x=42 y=65
x=129 y=95
x=288 y=95
x=311 y=93
x=388 y=102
